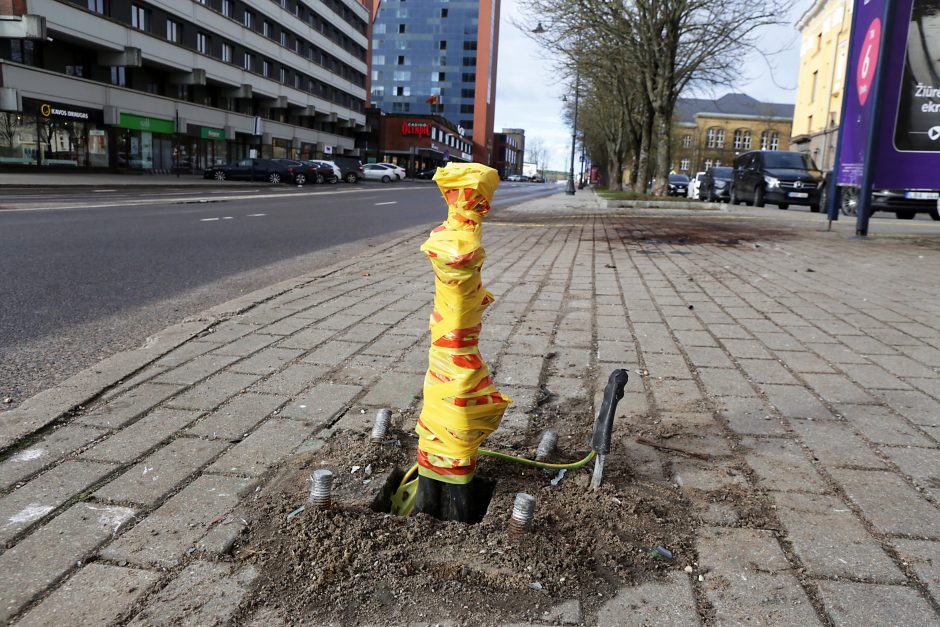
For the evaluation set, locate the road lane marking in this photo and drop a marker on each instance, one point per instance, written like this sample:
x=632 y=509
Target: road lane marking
x=256 y=215
x=208 y=219
x=102 y=191
x=139 y=203
x=394 y=202
x=227 y=218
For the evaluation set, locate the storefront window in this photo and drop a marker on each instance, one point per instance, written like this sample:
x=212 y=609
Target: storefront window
x=17 y=139
x=280 y=148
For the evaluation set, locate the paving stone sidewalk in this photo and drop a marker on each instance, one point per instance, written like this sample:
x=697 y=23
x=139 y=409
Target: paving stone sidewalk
x=795 y=368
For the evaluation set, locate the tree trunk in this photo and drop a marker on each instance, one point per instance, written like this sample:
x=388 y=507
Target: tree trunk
x=643 y=160
x=663 y=141
x=635 y=167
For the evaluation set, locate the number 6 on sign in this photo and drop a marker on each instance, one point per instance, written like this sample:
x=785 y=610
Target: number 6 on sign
x=868 y=61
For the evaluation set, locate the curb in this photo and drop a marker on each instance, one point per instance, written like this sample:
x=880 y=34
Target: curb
x=72 y=395
x=665 y=204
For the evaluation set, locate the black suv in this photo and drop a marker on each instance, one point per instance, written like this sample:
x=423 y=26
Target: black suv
x=776 y=176
x=351 y=167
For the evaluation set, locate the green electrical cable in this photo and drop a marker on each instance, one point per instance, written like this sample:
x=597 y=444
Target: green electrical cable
x=503 y=456
x=531 y=462
x=519 y=460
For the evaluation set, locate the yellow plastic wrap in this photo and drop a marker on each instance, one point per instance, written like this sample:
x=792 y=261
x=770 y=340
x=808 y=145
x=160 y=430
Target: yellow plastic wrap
x=461 y=403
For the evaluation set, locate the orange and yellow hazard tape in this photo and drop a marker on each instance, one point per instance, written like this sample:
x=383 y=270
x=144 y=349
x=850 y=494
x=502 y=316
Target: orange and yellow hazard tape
x=461 y=404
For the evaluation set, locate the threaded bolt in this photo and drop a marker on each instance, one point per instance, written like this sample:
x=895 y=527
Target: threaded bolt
x=546 y=446
x=321 y=489
x=523 y=511
x=380 y=427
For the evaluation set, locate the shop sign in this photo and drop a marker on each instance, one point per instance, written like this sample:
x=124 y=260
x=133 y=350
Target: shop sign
x=141 y=123
x=211 y=133
x=907 y=131
x=59 y=111
x=419 y=129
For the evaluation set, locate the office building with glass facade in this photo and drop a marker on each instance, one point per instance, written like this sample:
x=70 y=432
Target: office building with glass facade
x=438 y=57
x=154 y=85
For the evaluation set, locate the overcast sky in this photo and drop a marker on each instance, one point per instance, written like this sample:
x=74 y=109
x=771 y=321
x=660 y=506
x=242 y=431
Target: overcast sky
x=528 y=96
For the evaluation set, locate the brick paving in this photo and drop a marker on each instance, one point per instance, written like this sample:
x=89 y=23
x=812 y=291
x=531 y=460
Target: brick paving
x=803 y=364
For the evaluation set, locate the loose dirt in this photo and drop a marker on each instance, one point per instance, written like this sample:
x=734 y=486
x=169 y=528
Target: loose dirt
x=351 y=565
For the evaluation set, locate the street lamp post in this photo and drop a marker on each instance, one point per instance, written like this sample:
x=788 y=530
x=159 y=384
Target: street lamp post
x=569 y=188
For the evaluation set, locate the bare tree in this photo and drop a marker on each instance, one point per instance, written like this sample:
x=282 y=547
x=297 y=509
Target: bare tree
x=536 y=152
x=668 y=45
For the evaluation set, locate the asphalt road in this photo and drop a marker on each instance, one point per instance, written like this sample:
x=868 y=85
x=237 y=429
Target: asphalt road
x=90 y=272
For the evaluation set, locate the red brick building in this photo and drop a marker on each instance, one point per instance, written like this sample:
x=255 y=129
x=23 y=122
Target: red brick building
x=415 y=141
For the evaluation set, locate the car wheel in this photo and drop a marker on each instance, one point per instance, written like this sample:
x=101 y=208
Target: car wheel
x=351 y=177
x=935 y=214
x=783 y=205
x=300 y=179
x=386 y=178
x=905 y=215
x=733 y=197
x=758 y=196
x=320 y=179
x=849 y=201
x=219 y=175
x=274 y=178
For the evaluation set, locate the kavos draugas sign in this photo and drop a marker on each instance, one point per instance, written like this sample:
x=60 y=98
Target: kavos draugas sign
x=418 y=129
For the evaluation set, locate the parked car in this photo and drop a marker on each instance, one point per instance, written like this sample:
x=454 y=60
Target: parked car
x=426 y=174
x=516 y=178
x=776 y=176
x=399 y=171
x=904 y=203
x=378 y=172
x=303 y=171
x=695 y=186
x=270 y=170
x=678 y=185
x=324 y=172
x=716 y=184
x=350 y=167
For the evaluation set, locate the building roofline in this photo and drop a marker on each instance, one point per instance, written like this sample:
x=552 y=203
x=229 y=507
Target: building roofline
x=743 y=116
x=811 y=13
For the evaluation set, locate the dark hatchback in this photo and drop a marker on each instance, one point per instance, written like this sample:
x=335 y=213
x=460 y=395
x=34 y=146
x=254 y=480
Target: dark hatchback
x=678 y=185
x=716 y=185
x=270 y=170
x=777 y=177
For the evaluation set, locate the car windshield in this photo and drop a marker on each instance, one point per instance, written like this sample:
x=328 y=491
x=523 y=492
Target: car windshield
x=722 y=174
x=678 y=178
x=790 y=160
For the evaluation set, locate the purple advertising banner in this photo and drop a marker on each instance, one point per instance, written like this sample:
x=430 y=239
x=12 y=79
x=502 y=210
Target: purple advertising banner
x=909 y=132
x=907 y=149
x=856 y=126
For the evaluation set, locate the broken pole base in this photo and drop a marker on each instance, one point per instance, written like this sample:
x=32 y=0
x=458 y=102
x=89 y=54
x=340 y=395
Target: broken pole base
x=444 y=501
x=461 y=503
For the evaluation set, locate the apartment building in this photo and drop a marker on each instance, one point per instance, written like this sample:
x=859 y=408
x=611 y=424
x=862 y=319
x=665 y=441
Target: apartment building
x=157 y=85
